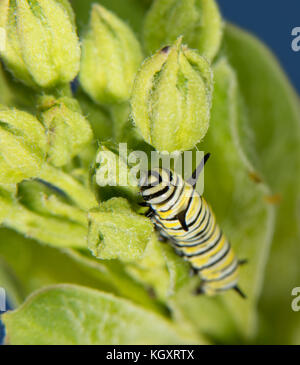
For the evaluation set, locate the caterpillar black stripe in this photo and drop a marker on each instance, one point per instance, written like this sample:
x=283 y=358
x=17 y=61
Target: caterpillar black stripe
x=187 y=221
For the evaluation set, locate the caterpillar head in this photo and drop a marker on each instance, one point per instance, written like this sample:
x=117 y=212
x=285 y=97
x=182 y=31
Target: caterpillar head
x=154 y=183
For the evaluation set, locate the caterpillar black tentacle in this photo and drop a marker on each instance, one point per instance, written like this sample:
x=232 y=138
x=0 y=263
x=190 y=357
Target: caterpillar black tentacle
x=186 y=219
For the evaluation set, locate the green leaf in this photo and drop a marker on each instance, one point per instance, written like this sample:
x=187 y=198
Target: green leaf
x=161 y=268
x=244 y=216
x=179 y=270
x=116 y=231
x=46 y=201
x=43 y=217
x=274 y=131
x=78 y=193
x=68 y=314
x=50 y=230
x=10 y=283
x=29 y=265
x=271 y=139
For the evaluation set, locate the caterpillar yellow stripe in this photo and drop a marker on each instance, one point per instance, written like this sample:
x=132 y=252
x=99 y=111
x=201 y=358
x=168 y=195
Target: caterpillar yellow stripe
x=185 y=218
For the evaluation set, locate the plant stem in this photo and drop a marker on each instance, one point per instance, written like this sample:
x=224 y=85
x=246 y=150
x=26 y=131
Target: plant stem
x=80 y=195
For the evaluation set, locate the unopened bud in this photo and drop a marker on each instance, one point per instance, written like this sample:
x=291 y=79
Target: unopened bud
x=42 y=48
x=67 y=129
x=172 y=98
x=23 y=146
x=117 y=232
x=111 y=56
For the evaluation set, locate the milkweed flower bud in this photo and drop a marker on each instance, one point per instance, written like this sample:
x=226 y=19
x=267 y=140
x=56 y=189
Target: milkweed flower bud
x=67 y=129
x=199 y=21
x=117 y=232
x=42 y=48
x=23 y=146
x=111 y=56
x=172 y=98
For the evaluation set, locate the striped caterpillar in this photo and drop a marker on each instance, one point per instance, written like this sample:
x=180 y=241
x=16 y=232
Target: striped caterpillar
x=186 y=220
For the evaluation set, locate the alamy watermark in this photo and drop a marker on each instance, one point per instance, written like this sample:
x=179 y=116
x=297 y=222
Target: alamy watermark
x=123 y=169
x=2 y=39
x=296 y=41
x=296 y=300
x=2 y=300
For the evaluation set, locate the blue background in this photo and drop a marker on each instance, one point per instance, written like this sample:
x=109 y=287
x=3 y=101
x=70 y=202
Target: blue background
x=272 y=22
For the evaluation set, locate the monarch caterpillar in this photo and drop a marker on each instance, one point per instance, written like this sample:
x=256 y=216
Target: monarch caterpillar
x=184 y=218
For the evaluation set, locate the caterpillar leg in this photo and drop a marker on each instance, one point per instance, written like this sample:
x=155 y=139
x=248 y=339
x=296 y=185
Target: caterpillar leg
x=161 y=236
x=149 y=213
x=199 y=290
x=162 y=239
x=239 y=291
x=193 y=271
x=143 y=204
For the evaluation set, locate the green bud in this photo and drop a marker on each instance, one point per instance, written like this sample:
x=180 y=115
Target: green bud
x=199 y=21
x=42 y=48
x=172 y=98
x=111 y=56
x=116 y=231
x=23 y=145
x=68 y=131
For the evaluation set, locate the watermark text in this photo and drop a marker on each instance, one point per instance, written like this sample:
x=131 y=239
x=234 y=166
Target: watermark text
x=296 y=40
x=121 y=168
x=296 y=300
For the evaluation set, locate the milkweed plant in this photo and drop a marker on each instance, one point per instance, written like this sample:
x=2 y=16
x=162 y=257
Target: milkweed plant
x=80 y=262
